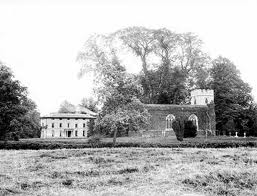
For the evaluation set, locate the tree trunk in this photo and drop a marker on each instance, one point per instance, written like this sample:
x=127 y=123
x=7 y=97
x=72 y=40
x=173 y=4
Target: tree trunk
x=114 y=135
x=144 y=65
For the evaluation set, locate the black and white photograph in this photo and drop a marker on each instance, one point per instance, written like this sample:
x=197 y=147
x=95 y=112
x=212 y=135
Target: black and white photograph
x=128 y=97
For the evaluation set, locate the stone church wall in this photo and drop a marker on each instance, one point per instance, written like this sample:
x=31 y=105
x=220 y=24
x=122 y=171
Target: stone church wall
x=159 y=112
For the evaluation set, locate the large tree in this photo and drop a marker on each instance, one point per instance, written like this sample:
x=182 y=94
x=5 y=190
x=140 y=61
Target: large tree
x=231 y=94
x=166 y=56
x=116 y=90
x=18 y=115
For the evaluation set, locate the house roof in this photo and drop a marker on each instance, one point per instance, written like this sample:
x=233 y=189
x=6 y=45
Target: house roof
x=68 y=115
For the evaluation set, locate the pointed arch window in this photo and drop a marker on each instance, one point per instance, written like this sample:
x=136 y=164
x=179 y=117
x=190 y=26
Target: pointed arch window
x=194 y=119
x=169 y=120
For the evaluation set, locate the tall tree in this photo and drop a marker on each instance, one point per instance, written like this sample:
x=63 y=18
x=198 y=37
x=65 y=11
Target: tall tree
x=116 y=89
x=142 y=43
x=17 y=112
x=231 y=94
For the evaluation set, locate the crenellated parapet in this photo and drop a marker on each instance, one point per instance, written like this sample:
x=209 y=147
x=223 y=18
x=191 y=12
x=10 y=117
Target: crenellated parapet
x=202 y=97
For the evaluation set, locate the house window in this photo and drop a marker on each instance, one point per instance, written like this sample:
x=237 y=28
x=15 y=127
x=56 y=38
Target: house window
x=84 y=125
x=76 y=133
x=169 y=120
x=60 y=134
x=52 y=125
x=68 y=125
x=60 y=124
x=76 y=125
x=206 y=101
x=52 y=133
x=84 y=133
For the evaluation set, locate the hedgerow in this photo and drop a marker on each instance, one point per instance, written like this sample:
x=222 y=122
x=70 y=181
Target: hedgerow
x=212 y=143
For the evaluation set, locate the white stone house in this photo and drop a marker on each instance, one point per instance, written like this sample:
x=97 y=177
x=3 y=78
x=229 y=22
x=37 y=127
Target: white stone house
x=65 y=125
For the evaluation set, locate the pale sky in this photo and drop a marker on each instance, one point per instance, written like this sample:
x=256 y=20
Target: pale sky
x=40 y=40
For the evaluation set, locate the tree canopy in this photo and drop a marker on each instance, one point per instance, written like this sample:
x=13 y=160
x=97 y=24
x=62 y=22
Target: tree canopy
x=172 y=64
x=231 y=94
x=18 y=115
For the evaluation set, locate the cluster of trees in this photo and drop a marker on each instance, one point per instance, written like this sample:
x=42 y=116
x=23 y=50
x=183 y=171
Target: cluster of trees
x=172 y=64
x=18 y=115
x=234 y=106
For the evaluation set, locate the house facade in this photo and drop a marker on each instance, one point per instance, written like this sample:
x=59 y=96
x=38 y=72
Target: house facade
x=65 y=125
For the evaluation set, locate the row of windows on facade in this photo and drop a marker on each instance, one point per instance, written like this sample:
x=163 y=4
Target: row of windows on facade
x=76 y=133
x=68 y=125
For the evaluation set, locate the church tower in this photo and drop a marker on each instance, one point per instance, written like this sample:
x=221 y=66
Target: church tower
x=202 y=97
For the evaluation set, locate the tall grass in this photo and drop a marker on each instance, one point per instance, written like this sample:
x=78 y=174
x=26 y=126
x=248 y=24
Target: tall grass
x=129 y=171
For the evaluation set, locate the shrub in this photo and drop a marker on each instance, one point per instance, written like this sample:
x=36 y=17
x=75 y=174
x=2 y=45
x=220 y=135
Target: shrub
x=178 y=129
x=190 y=129
x=95 y=140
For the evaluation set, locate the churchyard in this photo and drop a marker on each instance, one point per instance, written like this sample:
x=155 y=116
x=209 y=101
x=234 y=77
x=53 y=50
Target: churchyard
x=129 y=171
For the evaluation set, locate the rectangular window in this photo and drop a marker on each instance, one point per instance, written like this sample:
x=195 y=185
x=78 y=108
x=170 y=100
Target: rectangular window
x=60 y=124
x=84 y=125
x=60 y=134
x=76 y=125
x=68 y=125
x=76 y=133
x=52 y=133
x=84 y=133
x=52 y=125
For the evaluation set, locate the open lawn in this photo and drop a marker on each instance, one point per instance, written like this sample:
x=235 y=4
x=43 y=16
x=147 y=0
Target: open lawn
x=129 y=171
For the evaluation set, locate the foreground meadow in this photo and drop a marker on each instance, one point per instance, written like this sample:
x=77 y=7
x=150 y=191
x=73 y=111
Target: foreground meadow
x=129 y=171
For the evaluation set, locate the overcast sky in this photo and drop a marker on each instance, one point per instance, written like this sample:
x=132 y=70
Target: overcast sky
x=40 y=40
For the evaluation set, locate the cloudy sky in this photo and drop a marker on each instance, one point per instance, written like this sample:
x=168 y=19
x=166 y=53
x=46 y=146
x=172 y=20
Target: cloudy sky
x=40 y=40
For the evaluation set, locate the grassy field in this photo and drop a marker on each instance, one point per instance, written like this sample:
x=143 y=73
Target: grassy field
x=129 y=171
x=200 y=142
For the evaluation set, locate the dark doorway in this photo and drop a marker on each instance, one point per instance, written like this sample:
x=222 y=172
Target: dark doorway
x=69 y=133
